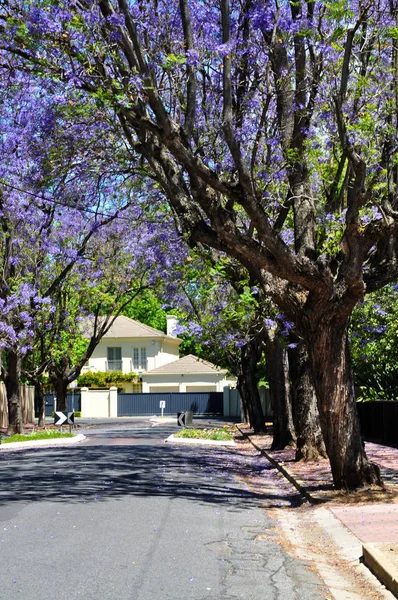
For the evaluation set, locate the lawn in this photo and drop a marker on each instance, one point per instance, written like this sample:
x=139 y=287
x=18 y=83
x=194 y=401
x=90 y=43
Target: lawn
x=32 y=437
x=224 y=435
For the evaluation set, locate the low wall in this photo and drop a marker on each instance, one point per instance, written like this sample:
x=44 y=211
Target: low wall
x=233 y=407
x=98 y=403
x=27 y=394
x=232 y=404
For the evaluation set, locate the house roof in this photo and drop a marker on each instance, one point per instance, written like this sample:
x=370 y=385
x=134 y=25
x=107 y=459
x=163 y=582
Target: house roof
x=189 y=364
x=124 y=327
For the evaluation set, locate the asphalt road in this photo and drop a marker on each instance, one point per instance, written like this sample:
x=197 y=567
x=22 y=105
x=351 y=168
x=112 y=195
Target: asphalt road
x=126 y=516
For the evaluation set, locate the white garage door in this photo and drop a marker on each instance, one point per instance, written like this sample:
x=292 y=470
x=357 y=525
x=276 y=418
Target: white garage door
x=168 y=389
x=201 y=388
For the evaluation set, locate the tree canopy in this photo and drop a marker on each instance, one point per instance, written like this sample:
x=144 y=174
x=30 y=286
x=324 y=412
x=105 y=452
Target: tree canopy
x=271 y=130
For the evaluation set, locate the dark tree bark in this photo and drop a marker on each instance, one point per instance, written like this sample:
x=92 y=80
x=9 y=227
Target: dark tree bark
x=60 y=382
x=41 y=404
x=333 y=380
x=11 y=380
x=248 y=385
x=278 y=378
x=240 y=384
x=310 y=444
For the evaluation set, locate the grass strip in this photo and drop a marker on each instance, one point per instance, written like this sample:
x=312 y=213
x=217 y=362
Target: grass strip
x=32 y=437
x=223 y=435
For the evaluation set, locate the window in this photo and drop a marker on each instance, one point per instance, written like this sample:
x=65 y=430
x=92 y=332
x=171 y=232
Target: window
x=139 y=359
x=114 y=362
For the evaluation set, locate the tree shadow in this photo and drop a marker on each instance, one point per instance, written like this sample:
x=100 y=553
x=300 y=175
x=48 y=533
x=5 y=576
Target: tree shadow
x=97 y=473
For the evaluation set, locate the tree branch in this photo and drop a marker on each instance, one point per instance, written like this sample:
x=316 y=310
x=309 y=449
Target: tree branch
x=190 y=69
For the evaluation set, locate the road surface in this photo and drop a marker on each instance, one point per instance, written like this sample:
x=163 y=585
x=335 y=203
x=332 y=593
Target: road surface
x=126 y=516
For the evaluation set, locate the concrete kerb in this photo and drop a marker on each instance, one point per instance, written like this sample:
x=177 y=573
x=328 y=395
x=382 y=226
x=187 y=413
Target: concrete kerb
x=312 y=498
x=377 y=558
x=198 y=441
x=42 y=443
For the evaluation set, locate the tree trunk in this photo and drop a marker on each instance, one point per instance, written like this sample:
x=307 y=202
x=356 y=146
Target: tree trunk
x=310 y=444
x=41 y=404
x=242 y=393
x=11 y=381
x=248 y=386
x=278 y=378
x=60 y=383
x=332 y=375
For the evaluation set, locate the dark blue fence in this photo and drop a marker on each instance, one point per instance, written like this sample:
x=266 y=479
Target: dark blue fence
x=149 y=404
x=73 y=400
x=379 y=421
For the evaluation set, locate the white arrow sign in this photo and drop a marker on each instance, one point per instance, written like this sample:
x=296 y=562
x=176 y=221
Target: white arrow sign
x=60 y=417
x=181 y=419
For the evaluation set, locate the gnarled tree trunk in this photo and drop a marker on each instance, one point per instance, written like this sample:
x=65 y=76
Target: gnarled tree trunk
x=278 y=378
x=310 y=444
x=332 y=375
x=11 y=381
x=248 y=386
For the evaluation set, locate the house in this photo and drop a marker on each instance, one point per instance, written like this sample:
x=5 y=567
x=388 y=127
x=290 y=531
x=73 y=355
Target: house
x=187 y=374
x=132 y=347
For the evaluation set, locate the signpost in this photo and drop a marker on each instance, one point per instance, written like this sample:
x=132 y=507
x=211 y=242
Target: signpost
x=162 y=406
x=61 y=417
x=73 y=385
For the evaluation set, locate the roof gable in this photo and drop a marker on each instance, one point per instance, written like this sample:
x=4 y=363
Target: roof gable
x=124 y=327
x=189 y=364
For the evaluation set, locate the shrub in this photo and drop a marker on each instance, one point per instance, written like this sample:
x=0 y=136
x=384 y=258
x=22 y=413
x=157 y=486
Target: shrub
x=105 y=379
x=206 y=434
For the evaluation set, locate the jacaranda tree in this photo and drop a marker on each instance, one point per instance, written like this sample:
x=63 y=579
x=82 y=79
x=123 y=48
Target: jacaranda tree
x=62 y=204
x=271 y=128
x=222 y=322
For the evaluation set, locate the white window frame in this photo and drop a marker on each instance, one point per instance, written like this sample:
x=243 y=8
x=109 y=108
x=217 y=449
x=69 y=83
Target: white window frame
x=111 y=351
x=140 y=359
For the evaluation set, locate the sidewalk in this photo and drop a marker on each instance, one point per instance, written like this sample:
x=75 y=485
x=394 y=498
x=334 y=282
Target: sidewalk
x=370 y=515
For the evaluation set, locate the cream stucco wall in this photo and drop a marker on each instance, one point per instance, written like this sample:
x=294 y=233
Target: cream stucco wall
x=159 y=352
x=99 y=403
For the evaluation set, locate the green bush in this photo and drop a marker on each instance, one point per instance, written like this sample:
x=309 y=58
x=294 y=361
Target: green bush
x=105 y=379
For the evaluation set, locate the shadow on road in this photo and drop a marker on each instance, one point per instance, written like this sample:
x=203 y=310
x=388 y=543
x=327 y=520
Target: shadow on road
x=96 y=473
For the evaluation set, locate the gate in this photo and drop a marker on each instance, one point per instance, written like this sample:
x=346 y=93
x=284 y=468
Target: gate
x=200 y=403
x=49 y=400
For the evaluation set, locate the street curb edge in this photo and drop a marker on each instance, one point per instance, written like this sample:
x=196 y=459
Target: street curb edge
x=299 y=486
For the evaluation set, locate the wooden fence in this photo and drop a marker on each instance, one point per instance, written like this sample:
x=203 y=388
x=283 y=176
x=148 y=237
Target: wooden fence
x=27 y=393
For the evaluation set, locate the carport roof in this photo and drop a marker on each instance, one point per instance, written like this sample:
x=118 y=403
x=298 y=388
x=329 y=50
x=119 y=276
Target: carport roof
x=189 y=364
